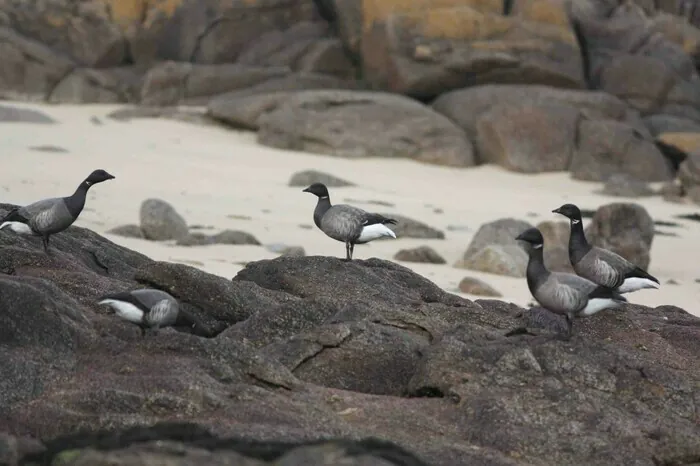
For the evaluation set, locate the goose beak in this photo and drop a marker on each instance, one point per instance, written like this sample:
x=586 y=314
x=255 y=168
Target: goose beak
x=111 y=177
x=519 y=237
x=557 y=211
x=305 y=190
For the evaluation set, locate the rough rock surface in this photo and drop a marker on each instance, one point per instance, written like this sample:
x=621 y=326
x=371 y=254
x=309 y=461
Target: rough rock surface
x=533 y=129
x=160 y=221
x=315 y=348
x=429 y=47
x=339 y=122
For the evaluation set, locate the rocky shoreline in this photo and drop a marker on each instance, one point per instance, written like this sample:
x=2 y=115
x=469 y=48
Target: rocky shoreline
x=309 y=348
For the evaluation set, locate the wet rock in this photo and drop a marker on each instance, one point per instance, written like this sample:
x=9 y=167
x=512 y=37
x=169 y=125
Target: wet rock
x=424 y=254
x=474 y=286
x=160 y=221
x=308 y=177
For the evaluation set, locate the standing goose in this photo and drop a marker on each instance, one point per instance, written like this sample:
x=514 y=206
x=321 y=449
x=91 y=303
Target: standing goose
x=563 y=293
x=600 y=265
x=347 y=223
x=49 y=216
x=148 y=308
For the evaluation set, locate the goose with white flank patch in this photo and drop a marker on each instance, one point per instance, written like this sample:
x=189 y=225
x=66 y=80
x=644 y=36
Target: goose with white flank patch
x=564 y=293
x=49 y=216
x=346 y=223
x=148 y=308
x=599 y=265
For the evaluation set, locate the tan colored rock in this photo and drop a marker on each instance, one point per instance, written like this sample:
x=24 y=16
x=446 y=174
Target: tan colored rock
x=424 y=254
x=477 y=287
x=498 y=259
x=522 y=139
x=426 y=47
x=685 y=141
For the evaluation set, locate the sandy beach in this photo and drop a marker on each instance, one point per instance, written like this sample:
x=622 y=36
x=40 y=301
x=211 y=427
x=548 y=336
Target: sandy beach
x=221 y=179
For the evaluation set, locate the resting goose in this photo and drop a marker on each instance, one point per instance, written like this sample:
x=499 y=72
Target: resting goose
x=148 y=308
x=49 y=216
x=599 y=265
x=563 y=293
x=347 y=224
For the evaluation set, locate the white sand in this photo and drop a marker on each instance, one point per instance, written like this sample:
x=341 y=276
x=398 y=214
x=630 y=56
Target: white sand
x=211 y=175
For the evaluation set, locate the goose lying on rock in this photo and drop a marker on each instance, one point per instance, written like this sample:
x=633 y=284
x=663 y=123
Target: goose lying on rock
x=347 y=224
x=49 y=216
x=599 y=265
x=148 y=308
x=563 y=293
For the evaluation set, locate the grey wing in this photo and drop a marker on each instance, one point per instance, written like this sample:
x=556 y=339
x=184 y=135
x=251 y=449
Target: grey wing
x=162 y=314
x=343 y=222
x=37 y=207
x=52 y=220
x=149 y=297
x=597 y=267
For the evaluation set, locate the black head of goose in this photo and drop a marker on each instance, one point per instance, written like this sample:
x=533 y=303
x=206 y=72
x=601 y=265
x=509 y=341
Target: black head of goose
x=49 y=216
x=563 y=293
x=347 y=224
x=599 y=265
x=148 y=308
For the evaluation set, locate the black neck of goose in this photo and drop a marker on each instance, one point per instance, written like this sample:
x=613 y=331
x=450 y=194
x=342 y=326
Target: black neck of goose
x=536 y=272
x=322 y=206
x=578 y=245
x=76 y=202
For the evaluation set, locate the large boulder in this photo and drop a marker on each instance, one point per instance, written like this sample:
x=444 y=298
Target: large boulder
x=641 y=59
x=427 y=47
x=494 y=249
x=338 y=122
x=534 y=129
x=624 y=228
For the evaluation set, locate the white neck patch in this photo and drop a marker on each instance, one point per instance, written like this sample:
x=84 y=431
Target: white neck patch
x=537 y=246
x=324 y=197
x=574 y=221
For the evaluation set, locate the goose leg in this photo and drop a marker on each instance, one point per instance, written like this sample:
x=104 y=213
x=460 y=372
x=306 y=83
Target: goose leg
x=45 y=242
x=352 y=249
x=569 y=326
x=348 y=255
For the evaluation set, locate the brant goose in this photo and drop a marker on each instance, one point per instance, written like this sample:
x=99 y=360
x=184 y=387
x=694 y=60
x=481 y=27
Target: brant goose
x=563 y=293
x=148 y=308
x=347 y=223
x=600 y=265
x=49 y=216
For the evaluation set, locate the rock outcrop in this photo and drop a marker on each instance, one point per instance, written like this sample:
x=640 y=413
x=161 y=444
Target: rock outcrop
x=299 y=350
